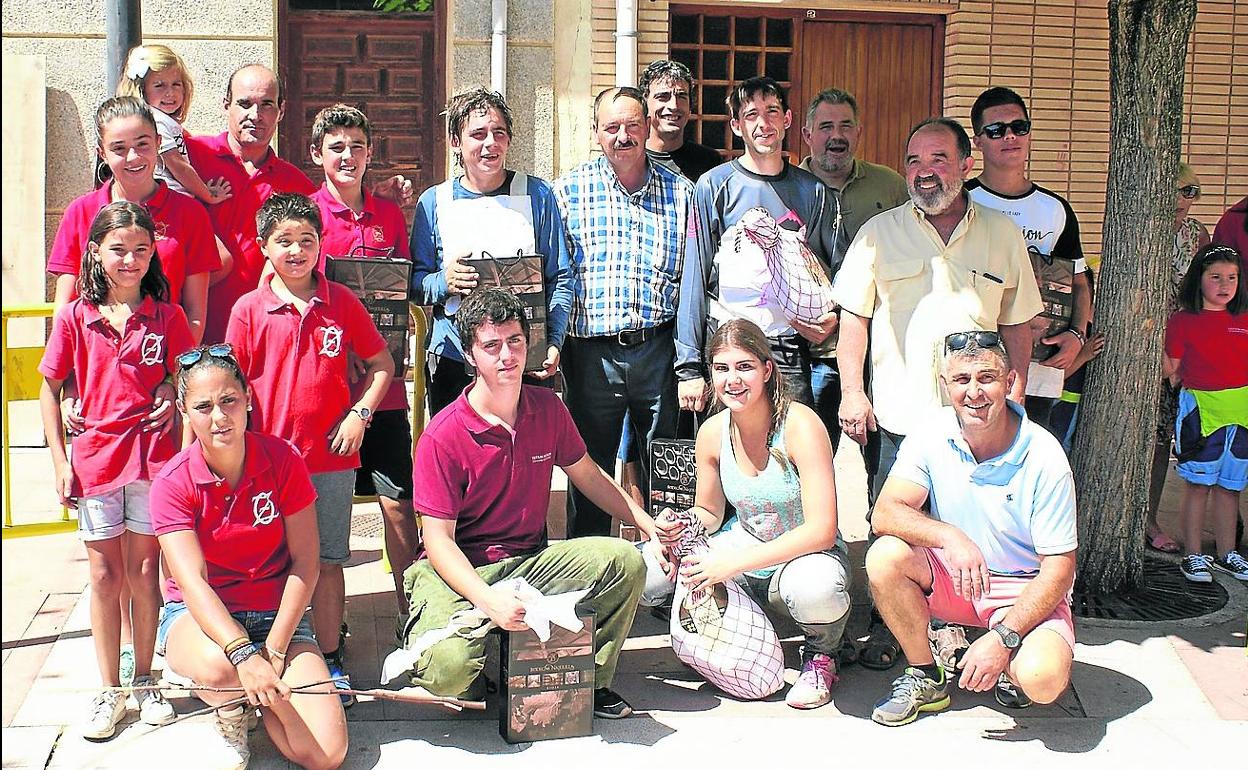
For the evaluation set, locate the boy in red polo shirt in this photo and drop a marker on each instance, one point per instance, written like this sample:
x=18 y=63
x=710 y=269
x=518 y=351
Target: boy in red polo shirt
x=292 y=337
x=359 y=224
x=484 y=464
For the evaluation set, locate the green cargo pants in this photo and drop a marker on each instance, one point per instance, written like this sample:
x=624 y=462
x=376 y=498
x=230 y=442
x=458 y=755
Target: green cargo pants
x=610 y=568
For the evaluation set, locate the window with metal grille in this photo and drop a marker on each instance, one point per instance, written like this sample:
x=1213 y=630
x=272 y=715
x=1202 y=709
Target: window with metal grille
x=721 y=50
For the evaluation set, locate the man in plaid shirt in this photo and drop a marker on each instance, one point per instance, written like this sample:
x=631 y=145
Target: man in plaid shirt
x=625 y=218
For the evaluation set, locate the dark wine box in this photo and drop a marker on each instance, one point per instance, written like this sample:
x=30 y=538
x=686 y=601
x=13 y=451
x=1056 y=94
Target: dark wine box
x=673 y=474
x=383 y=285
x=548 y=688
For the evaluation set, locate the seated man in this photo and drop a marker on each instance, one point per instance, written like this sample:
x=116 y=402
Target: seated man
x=482 y=484
x=997 y=550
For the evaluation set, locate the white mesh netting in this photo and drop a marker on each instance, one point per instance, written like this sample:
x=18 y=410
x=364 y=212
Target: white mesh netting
x=799 y=284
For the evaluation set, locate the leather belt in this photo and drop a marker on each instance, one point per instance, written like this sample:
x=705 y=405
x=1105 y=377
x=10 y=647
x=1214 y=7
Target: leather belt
x=631 y=337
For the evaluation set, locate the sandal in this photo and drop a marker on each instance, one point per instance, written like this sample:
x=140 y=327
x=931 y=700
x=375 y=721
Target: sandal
x=848 y=653
x=880 y=652
x=1163 y=543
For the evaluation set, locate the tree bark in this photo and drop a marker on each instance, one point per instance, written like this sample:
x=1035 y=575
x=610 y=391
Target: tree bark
x=1117 y=421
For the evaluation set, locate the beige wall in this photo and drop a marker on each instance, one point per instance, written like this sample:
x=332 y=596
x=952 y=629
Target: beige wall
x=213 y=38
x=1055 y=53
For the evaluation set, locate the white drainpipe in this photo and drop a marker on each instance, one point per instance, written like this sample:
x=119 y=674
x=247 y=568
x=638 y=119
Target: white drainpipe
x=498 y=47
x=626 y=42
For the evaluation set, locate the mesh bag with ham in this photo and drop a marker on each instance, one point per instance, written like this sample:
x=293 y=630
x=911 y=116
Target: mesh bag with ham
x=720 y=632
x=799 y=284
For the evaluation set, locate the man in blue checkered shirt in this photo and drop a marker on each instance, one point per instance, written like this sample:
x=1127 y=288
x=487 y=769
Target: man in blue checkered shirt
x=625 y=218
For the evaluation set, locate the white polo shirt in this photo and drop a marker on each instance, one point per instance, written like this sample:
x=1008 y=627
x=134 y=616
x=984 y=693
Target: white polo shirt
x=1016 y=507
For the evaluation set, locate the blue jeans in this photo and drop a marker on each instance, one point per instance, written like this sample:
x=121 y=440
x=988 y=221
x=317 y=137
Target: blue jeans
x=604 y=380
x=256 y=624
x=825 y=386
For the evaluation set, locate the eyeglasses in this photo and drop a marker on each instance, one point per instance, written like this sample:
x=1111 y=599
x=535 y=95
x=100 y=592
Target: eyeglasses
x=959 y=340
x=997 y=130
x=1190 y=191
x=195 y=355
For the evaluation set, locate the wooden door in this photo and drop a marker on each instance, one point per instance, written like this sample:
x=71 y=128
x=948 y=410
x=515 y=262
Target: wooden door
x=387 y=65
x=891 y=66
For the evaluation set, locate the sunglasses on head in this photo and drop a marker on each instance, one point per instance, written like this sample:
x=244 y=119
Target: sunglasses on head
x=1020 y=127
x=195 y=355
x=1190 y=191
x=959 y=340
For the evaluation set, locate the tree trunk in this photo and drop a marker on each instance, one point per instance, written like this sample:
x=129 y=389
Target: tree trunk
x=1117 y=422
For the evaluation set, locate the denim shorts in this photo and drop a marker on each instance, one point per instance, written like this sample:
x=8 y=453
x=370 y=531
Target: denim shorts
x=256 y=624
x=107 y=515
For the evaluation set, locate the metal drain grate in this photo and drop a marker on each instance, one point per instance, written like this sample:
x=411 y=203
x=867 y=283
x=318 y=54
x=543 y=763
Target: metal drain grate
x=367 y=524
x=1166 y=596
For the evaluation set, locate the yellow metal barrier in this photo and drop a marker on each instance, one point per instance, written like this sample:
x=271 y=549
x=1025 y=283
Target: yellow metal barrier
x=21 y=381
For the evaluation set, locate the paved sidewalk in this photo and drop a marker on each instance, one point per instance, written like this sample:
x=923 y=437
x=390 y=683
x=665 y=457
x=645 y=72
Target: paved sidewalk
x=1149 y=693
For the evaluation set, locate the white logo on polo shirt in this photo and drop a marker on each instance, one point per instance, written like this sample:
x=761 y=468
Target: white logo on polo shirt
x=152 y=351
x=263 y=509
x=331 y=341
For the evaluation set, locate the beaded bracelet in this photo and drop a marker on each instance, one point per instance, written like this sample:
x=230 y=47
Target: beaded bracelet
x=241 y=654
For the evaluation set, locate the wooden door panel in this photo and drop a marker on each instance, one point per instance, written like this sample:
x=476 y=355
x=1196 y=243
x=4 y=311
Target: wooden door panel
x=891 y=69
x=382 y=64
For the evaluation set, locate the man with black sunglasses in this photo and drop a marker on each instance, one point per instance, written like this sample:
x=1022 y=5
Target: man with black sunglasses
x=1048 y=223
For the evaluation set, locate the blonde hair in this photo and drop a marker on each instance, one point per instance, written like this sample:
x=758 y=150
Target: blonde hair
x=143 y=62
x=1187 y=175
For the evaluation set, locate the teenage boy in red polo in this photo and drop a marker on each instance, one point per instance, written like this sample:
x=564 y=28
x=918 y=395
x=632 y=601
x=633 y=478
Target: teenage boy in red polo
x=292 y=338
x=352 y=218
x=484 y=465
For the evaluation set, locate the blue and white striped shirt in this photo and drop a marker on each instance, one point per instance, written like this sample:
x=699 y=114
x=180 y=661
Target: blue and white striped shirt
x=627 y=249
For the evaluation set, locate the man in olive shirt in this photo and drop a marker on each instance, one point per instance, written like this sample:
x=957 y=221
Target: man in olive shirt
x=831 y=132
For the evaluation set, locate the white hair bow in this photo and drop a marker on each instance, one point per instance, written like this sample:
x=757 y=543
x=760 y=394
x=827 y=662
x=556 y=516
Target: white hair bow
x=138 y=67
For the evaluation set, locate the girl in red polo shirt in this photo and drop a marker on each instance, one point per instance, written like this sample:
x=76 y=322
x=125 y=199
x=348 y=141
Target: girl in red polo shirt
x=235 y=513
x=119 y=339
x=128 y=144
x=1207 y=350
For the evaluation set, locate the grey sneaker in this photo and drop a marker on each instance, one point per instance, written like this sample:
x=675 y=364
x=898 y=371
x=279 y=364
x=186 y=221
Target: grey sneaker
x=1195 y=567
x=153 y=708
x=232 y=725
x=104 y=713
x=1009 y=694
x=1232 y=564
x=913 y=693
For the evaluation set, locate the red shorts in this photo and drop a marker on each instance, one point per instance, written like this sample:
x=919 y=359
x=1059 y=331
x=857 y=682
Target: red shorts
x=989 y=609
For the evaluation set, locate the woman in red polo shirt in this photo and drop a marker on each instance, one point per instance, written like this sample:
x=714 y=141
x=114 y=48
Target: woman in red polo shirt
x=235 y=516
x=128 y=144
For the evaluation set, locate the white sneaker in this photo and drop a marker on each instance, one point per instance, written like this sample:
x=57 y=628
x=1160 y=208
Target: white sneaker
x=232 y=725
x=1232 y=564
x=102 y=717
x=813 y=687
x=153 y=708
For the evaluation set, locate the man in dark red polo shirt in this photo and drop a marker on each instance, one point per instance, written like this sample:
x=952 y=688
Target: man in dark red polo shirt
x=243 y=156
x=483 y=470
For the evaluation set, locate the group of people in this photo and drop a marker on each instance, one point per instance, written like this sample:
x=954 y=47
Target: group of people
x=668 y=278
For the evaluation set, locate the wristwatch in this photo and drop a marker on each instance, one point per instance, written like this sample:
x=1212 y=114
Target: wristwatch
x=364 y=414
x=1009 y=637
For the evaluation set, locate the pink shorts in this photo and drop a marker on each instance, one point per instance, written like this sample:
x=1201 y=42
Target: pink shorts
x=990 y=609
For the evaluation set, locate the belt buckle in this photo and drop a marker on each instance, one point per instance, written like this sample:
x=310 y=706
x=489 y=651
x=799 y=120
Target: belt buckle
x=629 y=337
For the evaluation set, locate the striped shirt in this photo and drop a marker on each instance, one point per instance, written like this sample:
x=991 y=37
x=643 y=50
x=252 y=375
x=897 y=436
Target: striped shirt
x=627 y=249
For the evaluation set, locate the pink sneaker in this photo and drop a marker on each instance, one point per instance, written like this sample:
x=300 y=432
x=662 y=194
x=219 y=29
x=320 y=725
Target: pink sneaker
x=813 y=687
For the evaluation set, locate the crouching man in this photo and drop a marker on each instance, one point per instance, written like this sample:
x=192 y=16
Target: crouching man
x=996 y=551
x=482 y=486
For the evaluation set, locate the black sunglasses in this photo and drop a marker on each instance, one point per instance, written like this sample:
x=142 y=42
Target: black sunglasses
x=959 y=340
x=195 y=355
x=997 y=130
x=1190 y=191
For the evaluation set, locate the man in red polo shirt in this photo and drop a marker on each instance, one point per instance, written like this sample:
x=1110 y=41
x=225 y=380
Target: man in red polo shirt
x=483 y=467
x=242 y=156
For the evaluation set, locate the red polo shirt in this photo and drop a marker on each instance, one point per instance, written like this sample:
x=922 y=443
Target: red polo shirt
x=380 y=226
x=241 y=531
x=1212 y=348
x=117 y=375
x=493 y=485
x=297 y=365
x=184 y=237
x=234 y=220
